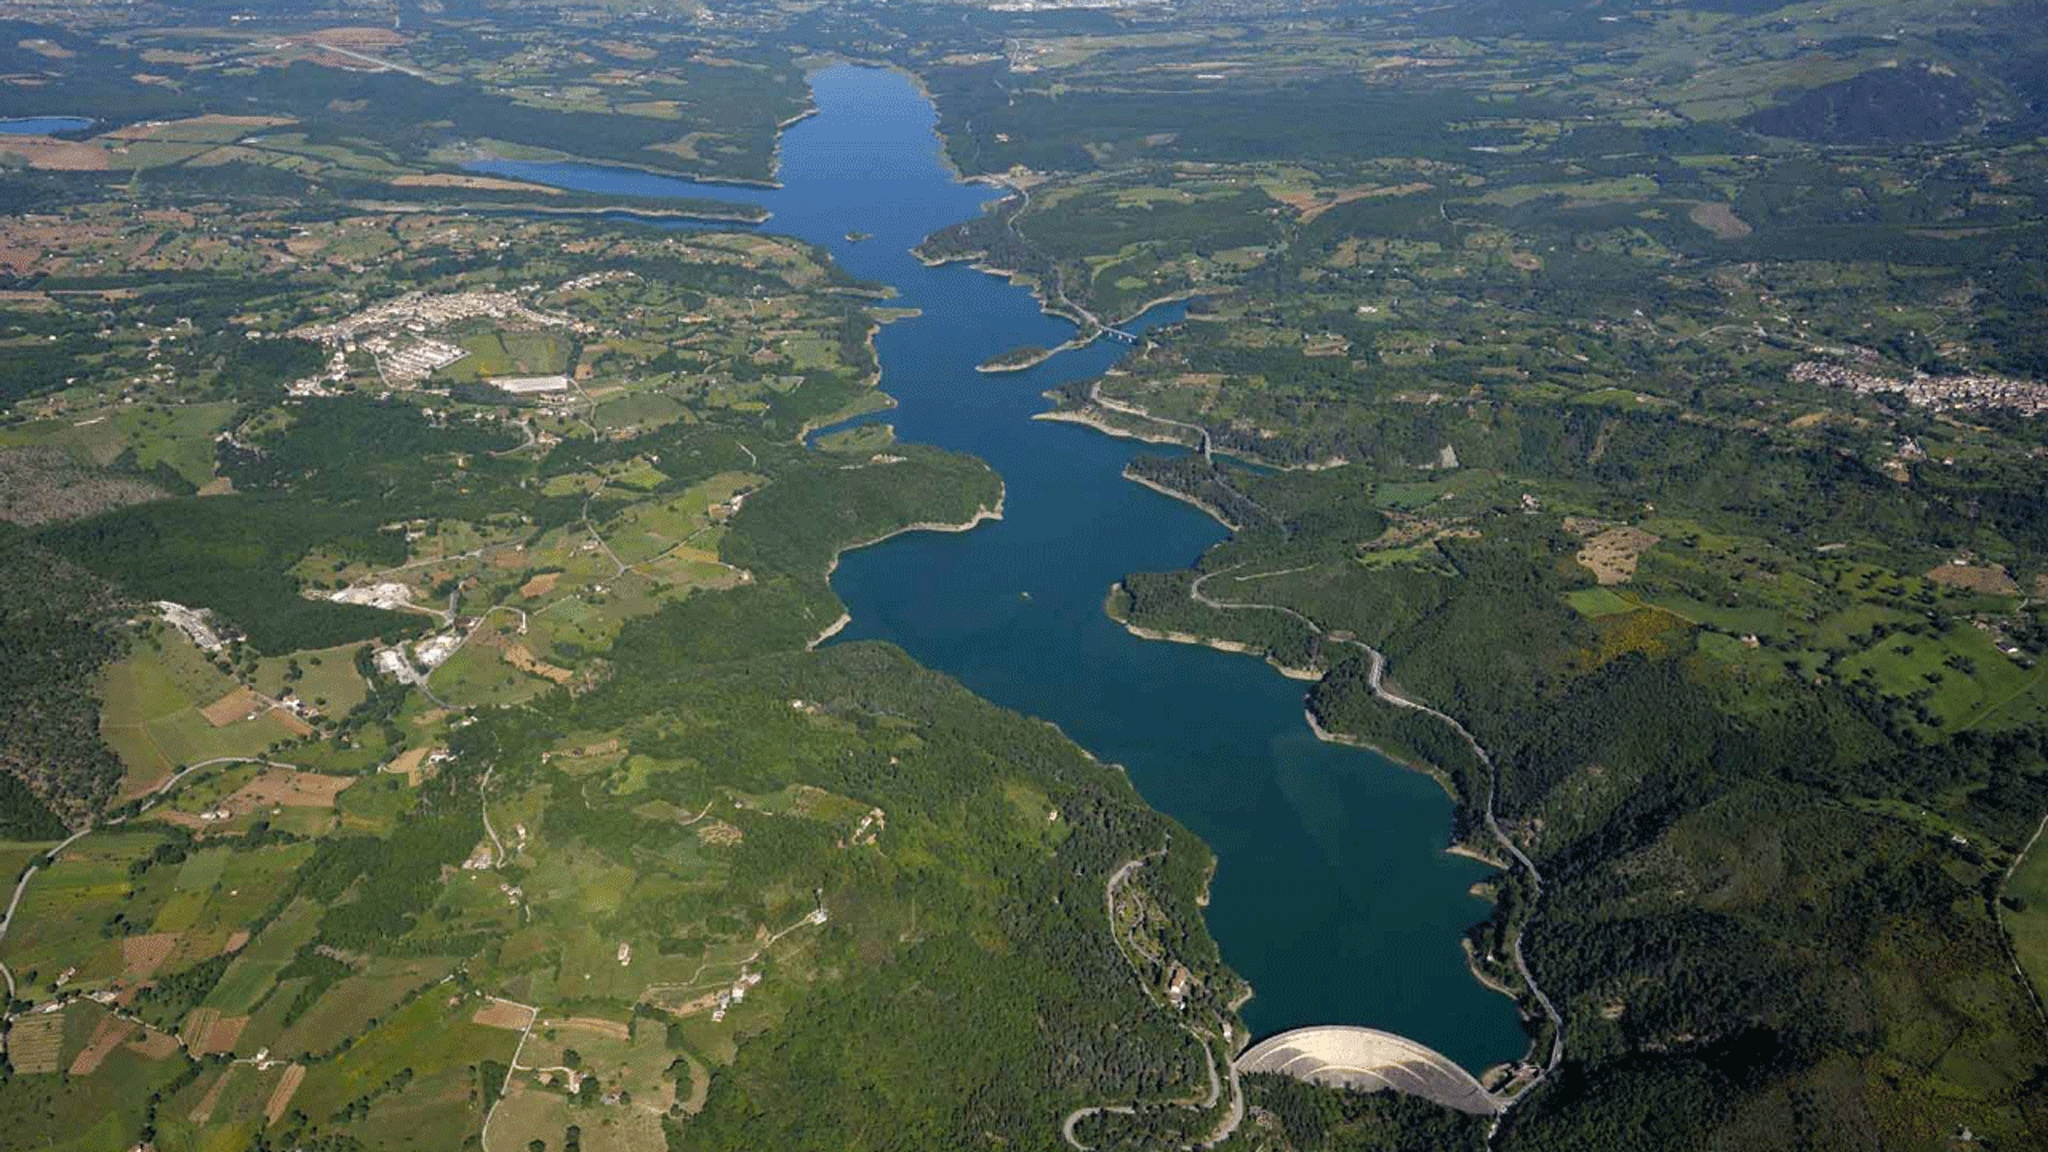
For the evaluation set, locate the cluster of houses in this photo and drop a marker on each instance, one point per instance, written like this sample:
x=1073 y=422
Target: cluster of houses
x=1970 y=390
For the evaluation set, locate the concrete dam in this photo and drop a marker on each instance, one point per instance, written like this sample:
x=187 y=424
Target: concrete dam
x=1369 y=1060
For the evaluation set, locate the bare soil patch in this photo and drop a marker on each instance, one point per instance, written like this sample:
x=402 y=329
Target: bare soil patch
x=105 y=1039
x=198 y=1026
x=154 y=1045
x=281 y=1097
x=611 y=1028
x=476 y=183
x=1977 y=578
x=1721 y=220
x=151 y=129
x=222 y=1036
x=719 y=834
x=540 y=585
x=601 y=748
x=55 y=155
x=519 y=657
x=289 y=789
x=1313 y=204
x=408 y=763
x=291 y=721
x=360 y=37
x=235 y=941
x=232 y=708
x=36 y=1042
x=1611 y=551
x=499 y=1014
x=141 y=955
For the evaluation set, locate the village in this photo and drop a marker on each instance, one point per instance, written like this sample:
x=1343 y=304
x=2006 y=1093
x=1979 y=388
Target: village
x=1972 y=391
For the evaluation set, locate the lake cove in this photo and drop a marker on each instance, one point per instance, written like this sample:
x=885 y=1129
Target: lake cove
x=1333 y=894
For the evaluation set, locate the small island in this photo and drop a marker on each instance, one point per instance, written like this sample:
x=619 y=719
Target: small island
x=1016 y=359
x=856 y=237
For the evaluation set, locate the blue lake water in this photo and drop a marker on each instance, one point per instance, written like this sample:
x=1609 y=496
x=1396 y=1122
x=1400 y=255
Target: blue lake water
x=1333 y=894
x=43 y=125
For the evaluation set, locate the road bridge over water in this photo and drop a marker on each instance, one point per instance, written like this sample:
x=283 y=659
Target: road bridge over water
x=1338 y=1056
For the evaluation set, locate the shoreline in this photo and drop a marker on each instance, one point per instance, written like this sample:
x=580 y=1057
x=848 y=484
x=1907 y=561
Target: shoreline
x=596 y=210
x=1236 y=647
x=1087 y=419
x=874 y=381
x=810 y=109
x=1413 y=764
x=981 y=516
x=1212 y=512
x=646 y=169
x=831 y=630
x=1094 y=329
x=991 y=368
x=1485 y=978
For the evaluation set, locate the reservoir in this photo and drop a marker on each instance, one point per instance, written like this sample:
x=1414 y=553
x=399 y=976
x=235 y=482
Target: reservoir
x=43 y=125
x=1333 y=894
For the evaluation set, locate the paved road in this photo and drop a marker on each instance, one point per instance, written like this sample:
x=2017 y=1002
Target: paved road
x=505 y=1089
x=381 y=63
x=1095 y=396
x=2005 y=934
x=483 y=791
x=1377 y=681
x=1232 y=1116
x=22 y=886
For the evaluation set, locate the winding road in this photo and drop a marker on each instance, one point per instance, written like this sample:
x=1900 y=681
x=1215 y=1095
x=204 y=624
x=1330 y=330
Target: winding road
x=150 y=796
x=22 y=886
x=1376 y=679
x=1096 y=397
x=1232 y=1116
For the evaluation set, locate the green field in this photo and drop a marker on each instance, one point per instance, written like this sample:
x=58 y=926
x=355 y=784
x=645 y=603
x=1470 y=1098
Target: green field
x=327 y=678
x=1994 y=690
x=510 y=353
x=249 y=976
x=435 y=1108
x=2024 y=909
x=1594 y=603
x=151 y=714
x=180 y=436
x=95 y=1113
x=91 y=876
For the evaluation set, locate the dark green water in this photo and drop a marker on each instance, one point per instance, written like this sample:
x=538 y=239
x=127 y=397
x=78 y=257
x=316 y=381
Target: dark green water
x=1333 y=894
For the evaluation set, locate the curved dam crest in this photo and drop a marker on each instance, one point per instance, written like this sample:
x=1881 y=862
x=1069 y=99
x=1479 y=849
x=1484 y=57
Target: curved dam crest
x=1333 y=893
x=1369 y=1060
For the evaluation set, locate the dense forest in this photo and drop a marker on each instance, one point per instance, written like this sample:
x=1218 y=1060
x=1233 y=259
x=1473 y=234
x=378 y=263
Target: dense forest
x=59 y=624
